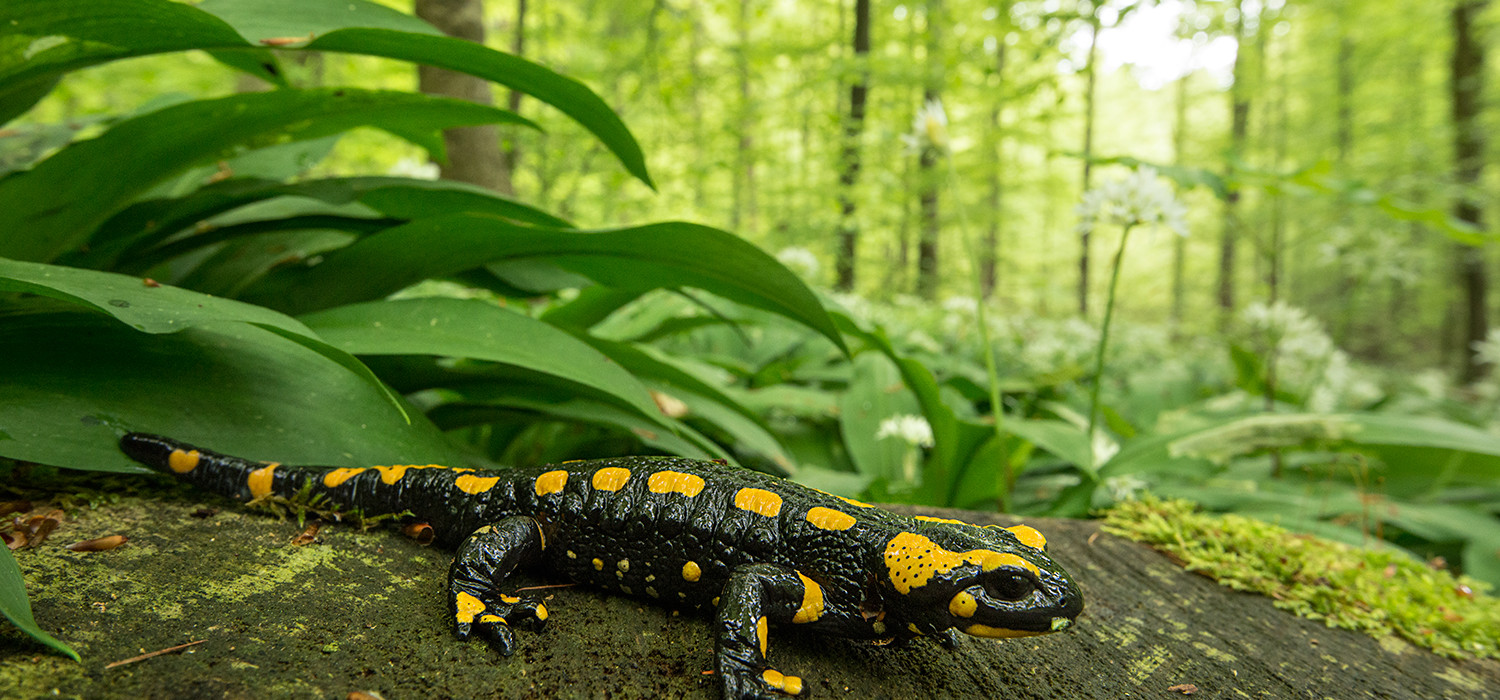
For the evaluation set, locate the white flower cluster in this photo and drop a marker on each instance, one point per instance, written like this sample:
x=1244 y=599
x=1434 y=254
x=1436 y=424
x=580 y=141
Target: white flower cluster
x=1489 y=348
x=1048 y=346
x=930 y=128
x=1307 y=361
x=1373 y=256
x=915 y=430
x=413 y=168
x=1140 y=198
x=801 y=261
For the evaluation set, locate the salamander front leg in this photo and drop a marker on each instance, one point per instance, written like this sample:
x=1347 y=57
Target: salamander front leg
x=483 y=563
x=756 y=596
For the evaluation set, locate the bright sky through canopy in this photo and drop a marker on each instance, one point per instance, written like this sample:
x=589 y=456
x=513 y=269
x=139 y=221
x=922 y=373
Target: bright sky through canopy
x=1148 y=39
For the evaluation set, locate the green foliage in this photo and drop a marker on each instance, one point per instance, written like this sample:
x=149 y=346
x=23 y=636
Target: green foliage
x=180 y=273
x=14 y=606
x=1379 y=592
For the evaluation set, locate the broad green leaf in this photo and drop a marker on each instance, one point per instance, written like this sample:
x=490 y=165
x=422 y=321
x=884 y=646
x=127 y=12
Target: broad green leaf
x=876 y=394
x=146 y=308
x=486 y=403
x=566 y=94
x=147 y=222
x=647 y=362
x=258 y=20
x=17 y=609
x=46 y=38
x=954 y=441
x=76 y=381
x=641 y=257
x=165 y=309
x=50 y=37
x=746 y=434
x=482 y=331
x=1060 y=438
x=55 y=206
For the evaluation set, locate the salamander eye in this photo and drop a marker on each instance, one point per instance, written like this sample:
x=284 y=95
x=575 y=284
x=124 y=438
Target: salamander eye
x=1009 y=587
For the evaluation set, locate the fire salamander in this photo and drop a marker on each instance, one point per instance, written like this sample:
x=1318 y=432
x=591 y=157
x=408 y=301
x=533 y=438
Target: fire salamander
x=688 y=534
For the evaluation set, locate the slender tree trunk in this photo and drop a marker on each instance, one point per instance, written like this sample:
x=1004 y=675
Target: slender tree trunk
x=927 y=245
x=745 y=214
x=1467 y=86
x=1089 y=95
x=989 y=256
x=1345 y=68
x=1179 y=243
x=473 y=151
x=1239 y=107
x=695 y=98
x=854 y=128
x=510 y=152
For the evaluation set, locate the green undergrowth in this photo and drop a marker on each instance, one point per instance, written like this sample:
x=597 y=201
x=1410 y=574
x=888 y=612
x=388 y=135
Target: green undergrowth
x=1379 y=592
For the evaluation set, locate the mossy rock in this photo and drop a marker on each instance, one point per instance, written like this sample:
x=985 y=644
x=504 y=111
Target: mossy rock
x=360 y=611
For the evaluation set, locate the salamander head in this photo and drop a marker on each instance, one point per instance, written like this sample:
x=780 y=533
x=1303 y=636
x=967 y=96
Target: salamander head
x=987 y=582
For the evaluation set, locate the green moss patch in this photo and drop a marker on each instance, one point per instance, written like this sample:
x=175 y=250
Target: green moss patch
x=1380 y=592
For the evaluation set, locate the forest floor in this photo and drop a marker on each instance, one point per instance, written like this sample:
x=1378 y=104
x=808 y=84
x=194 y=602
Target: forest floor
x=357 y=611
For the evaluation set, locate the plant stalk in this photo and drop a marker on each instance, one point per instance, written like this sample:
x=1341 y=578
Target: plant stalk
x=992 y=373
x=1109 y=312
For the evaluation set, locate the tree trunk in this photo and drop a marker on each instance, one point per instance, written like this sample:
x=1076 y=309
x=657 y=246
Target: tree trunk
x=850 y=162
x=1088 y=154
x=1467 y=86
x=1239 y=106
x=1345 y=68
x=473 y=151
x=745 y=214
x=510 y=152
x=1179 y=243
x=989 y=255
x=927 y=245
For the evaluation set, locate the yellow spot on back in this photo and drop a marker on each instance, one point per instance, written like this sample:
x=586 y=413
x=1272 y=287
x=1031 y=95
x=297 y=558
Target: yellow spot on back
x=509 y=599
x=853 y=502
x=551 y=482
x=339 y=476
x=911 y=560
x=758 y=501
x=1029 y=536
x=182 y=462
x=392 y=474
x=468 y=606
x=669 y=481
x=760 y=634
x=259 y=480
x=691 y=571
x=541 y=612
x=963 y=604
x=950 y=521
x=468 y=483
x=598 y=564
x=791 y=685
x=611 y=478
x=812 y=601
x=829 y=519
x=492 y=618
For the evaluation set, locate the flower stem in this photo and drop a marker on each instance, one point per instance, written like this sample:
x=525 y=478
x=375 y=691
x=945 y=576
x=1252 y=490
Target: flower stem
x=992 y=373
x=1109 y=312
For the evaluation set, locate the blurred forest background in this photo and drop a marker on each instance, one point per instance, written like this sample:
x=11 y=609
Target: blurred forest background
x=1299 y=331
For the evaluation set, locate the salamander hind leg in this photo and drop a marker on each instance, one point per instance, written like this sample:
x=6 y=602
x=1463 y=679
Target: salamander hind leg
x=756 y=596
x=483 y=563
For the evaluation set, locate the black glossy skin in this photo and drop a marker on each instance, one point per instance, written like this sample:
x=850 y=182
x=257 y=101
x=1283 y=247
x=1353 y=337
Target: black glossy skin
x=692 y=537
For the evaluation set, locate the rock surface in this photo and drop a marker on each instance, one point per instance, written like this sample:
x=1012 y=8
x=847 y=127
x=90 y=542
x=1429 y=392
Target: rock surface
x=363 y=612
